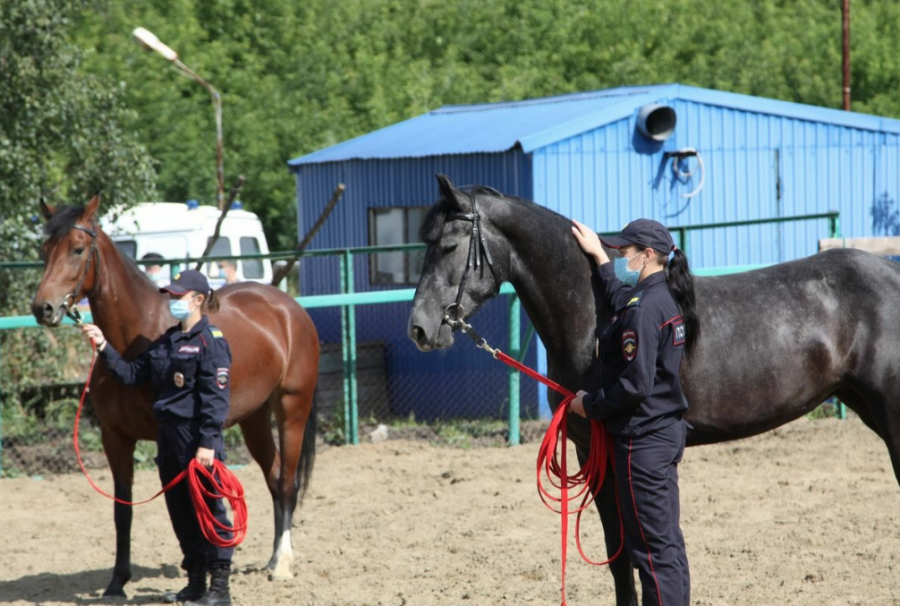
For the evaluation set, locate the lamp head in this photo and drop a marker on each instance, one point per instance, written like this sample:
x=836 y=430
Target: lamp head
x=146 y=39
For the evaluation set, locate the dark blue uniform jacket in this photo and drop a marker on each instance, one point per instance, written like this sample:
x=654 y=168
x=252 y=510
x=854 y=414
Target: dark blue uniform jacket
x=640 y=352
x=189 y=374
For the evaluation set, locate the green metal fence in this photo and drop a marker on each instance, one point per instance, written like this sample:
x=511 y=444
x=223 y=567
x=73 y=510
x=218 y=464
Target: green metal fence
x=347 y=300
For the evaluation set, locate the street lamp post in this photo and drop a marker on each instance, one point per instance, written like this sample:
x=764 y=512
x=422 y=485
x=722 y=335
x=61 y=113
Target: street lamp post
x=146 y=39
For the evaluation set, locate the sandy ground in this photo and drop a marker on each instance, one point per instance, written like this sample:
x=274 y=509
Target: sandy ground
x=807 y=514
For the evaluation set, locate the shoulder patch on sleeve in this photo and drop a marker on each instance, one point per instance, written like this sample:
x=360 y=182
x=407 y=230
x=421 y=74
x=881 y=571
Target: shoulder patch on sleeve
x=629 y=345
x=215 y=332
x=222 y=377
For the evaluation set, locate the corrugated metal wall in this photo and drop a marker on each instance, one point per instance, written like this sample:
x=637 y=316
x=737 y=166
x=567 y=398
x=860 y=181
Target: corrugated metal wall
x=427 y=385
x=757 y=166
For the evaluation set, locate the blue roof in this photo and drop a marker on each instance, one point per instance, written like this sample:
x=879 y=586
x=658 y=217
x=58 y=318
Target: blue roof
x=536 y=123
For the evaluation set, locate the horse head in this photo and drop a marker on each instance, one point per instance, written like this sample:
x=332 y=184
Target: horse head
x=466 y=262
x=70 y=260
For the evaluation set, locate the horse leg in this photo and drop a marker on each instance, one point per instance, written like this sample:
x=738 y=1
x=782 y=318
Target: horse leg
x=120 y=454
x=296 y=429
x=607 y=504
x=882 y=407
x=257 y=430
x=857 y=404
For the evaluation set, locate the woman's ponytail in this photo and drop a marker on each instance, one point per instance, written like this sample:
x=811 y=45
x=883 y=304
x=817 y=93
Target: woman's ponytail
x=681 y=285
x=212 y=302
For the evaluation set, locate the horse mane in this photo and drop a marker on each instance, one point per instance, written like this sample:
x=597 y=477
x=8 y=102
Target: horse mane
x=66 y=217
x=433 y=223
x=62 y=221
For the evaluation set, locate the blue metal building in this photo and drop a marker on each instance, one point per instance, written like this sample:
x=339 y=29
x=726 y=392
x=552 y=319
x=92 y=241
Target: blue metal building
x=597 y=157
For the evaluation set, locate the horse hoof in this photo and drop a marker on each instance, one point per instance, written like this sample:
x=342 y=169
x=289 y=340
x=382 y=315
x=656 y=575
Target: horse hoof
x=116 y=587
x=280 y=577
x=281 y=573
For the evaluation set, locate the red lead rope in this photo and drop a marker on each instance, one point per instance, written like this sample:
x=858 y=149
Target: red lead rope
x=589 y=478
x=225 y=483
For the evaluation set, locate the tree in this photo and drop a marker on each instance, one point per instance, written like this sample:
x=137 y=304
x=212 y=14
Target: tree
x=61 y=137
x=299 y=76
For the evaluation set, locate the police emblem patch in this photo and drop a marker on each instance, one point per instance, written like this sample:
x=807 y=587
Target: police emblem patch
x=629 y=345
x=222 y=378
x=179 y=379
x=678 y=334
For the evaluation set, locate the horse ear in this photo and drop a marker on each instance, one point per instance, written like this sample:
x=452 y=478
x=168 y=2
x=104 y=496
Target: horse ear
x=453 y=195
x=46 y=210
x=90 y=211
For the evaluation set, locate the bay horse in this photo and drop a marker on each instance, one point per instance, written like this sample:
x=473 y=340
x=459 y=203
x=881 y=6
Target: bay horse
x=776 y=341
x=275 y=351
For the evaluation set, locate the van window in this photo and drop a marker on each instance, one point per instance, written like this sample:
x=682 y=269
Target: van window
x=221 y=247
x=129 y=247
x=253 y=268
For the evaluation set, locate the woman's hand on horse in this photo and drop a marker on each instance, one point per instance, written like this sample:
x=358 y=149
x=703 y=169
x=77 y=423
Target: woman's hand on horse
x=589 y=242
x=93 y=334
x=577 y=404
x=205 y=456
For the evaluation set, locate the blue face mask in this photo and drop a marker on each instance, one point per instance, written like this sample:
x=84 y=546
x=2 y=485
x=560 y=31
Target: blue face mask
x=180 y=310
x=624 y=272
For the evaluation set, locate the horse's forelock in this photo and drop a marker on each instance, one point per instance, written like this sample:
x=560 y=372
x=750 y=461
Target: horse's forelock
x=62 y=221
x=433 y=223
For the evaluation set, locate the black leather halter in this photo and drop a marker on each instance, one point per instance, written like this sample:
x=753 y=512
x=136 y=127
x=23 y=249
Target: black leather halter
x=478 y=253
x=72 y=298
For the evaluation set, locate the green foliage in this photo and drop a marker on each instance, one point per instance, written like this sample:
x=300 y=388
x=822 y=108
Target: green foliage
x=61 y=137
x=299 y=76
x=331 y=426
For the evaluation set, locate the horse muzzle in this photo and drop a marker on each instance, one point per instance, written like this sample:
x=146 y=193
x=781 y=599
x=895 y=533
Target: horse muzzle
x=440 y=337
x=47 y=314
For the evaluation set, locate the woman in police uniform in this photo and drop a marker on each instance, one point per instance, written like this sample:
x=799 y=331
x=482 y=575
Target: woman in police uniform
x=641 y=402
x=188 y=369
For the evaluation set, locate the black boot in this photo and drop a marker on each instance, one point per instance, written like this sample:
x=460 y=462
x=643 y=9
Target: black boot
x=218 y=594
x=196 y=587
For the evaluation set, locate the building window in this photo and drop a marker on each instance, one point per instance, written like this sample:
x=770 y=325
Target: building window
x=392 y=226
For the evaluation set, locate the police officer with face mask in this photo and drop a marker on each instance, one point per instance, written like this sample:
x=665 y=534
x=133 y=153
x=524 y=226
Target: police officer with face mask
x=641 y=402
x=188 y=368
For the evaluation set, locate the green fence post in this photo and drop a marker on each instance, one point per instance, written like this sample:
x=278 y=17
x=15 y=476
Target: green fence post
x=515 y=323
x=834 y=227
x=351 y=340
x=345 y=351
x=1 y=414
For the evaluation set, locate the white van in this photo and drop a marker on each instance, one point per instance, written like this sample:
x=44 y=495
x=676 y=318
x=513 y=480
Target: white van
x=177 y=230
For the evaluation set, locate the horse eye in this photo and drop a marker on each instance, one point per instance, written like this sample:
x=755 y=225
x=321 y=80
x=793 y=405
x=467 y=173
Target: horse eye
x=449 y=248
x=78 y=250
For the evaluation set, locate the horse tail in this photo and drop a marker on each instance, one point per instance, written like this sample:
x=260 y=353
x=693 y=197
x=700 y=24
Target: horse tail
x=307 y=452
x=681 y=285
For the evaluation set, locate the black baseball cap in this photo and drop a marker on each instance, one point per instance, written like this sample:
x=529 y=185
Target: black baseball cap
x=646 y=233
x=186 y=281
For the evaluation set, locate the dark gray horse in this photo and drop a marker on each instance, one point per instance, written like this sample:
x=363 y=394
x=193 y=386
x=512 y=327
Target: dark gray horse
x=776 y=342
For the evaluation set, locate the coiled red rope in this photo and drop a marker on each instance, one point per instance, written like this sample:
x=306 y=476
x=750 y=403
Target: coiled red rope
x=224 y=483
x=552 y=461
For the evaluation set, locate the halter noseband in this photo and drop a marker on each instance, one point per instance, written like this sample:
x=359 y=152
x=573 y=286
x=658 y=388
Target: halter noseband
x=477 y=249
x=72 y=297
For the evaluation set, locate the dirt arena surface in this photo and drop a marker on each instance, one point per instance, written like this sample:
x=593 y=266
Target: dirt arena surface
x=808 y=514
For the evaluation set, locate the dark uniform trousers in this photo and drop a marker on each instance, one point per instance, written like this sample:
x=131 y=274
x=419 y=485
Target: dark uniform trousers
x=647 y=479
x=177 y=444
